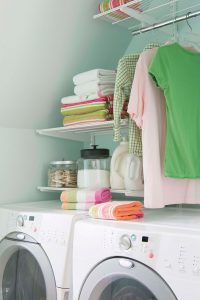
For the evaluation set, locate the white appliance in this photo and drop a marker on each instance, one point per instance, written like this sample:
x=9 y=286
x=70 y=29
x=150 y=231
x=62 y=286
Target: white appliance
x=157 y=258
x=35 y=251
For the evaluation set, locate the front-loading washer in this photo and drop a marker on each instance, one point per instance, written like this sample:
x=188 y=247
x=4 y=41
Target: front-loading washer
x=157 y=258
x=36 y=251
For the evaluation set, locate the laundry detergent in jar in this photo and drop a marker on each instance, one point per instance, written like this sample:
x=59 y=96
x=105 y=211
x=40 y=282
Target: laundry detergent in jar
x=118 y=165
x=94 y=168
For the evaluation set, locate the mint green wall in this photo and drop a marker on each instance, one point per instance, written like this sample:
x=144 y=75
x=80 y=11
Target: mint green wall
x=43 y=43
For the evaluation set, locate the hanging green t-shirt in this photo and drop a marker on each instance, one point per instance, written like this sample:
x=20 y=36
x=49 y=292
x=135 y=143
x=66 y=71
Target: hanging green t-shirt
x=177 y=71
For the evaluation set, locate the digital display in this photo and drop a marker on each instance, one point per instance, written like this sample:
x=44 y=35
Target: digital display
x=145 y=239
x=31 y=218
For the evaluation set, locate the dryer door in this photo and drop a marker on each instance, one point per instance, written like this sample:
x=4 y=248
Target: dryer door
x=25 y=270
x=122 y=278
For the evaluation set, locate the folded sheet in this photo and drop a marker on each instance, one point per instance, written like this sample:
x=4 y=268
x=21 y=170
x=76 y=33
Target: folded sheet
x=117 y=210
x=91 y=88
x=97 y=116
x=92 y=75
x=86 y=196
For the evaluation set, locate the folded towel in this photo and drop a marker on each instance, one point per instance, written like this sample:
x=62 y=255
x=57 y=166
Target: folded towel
x=97 y=116
x=91 y=88
x=84 y=108
x=92 y=75
x=117 y=14
x=76 y=206
x=86 y=196
x=71 y=100
x=108 y=99
x=117 y=210
x=107 y=5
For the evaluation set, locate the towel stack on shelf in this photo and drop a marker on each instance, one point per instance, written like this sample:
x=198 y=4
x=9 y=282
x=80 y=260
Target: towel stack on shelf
x=93 y=99
x=118 y=14
x=117 y=210
x=84 y=199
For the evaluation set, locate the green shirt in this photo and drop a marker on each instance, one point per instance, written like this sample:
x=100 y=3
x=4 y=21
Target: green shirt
x=177 y=71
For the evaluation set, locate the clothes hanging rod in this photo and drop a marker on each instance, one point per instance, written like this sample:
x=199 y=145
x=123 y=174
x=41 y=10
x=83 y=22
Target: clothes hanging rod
x=189 y=15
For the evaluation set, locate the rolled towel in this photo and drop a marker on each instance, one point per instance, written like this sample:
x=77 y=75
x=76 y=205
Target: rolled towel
x=86 y=196
x=92 y=75
x=117 y=210
x=76 y=206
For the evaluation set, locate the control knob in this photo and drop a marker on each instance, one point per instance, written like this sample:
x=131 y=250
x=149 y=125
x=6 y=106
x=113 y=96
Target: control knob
x=20 y=221
x=125 y=242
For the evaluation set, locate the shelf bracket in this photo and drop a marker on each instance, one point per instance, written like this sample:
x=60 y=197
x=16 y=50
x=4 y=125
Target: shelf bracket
x=144 y=18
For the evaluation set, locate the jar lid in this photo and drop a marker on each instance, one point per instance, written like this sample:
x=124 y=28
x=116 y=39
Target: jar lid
x=94 y=153
x=63 y=162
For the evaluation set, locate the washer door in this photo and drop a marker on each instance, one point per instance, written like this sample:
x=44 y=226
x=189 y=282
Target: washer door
x=25 y=270
x=122 y=278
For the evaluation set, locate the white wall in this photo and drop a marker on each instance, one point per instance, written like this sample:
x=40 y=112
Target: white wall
x=43 y=43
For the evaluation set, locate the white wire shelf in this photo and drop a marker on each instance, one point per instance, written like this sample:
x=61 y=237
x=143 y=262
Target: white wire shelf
x=126 y=193
x=137 y=14
x=83 y=132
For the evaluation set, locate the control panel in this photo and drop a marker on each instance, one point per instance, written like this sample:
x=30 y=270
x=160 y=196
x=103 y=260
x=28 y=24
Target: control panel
x=133 y=244
x=166 y=252
x=42 y=227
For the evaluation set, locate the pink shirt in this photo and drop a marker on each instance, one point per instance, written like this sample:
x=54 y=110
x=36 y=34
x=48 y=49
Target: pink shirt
x=147 y=108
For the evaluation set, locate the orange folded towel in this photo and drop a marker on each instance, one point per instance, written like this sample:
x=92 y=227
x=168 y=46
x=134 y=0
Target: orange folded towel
x=117 y=210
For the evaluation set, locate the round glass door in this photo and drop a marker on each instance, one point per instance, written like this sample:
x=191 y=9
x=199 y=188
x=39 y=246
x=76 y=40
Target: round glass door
x=25 y=270
x=126 y=289
x=121 y=278
x=23 y=278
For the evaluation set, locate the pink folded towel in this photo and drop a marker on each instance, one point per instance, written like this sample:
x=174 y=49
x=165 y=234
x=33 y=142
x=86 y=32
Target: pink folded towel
x=86 y=196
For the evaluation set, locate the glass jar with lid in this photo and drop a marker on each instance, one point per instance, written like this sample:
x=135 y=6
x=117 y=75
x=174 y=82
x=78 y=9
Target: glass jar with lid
x=94 y=168
x=62 y=174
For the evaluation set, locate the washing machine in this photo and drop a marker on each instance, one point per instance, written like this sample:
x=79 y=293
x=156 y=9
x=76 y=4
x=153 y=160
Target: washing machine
x=157 y=258
x=36 y=251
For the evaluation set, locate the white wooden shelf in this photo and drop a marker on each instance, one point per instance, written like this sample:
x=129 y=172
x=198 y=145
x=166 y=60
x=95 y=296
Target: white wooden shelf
x=126 y=193
x=83 y=132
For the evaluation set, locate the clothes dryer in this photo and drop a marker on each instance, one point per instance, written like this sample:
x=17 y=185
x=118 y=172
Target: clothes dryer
x=35 y=251
x=157 y=258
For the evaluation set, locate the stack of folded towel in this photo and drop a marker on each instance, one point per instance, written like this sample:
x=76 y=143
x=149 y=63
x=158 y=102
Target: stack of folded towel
x=83 y=199
x=117 y=14
x=117 y=210
x=93 y=99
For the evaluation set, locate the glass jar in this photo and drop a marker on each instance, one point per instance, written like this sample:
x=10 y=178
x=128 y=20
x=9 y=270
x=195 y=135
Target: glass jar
x=62 y=174
x=94 y=168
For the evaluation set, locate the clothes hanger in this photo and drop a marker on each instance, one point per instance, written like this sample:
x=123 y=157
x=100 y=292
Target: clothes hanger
x=190 y=40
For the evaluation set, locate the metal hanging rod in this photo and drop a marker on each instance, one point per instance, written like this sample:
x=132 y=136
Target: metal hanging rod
x=166 y=23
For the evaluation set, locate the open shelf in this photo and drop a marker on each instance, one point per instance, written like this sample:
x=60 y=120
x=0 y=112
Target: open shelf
x=126 y=193
x=136 y=14
x=83 y=132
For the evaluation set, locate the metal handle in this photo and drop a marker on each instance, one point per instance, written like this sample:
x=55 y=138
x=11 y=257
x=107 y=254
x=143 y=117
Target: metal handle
x=126 y=263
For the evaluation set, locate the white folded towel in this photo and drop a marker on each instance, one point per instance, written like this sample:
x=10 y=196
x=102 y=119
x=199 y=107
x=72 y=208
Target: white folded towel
x=77 y=99
x=94 y=87
x=92 y=75
x=70 y=99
